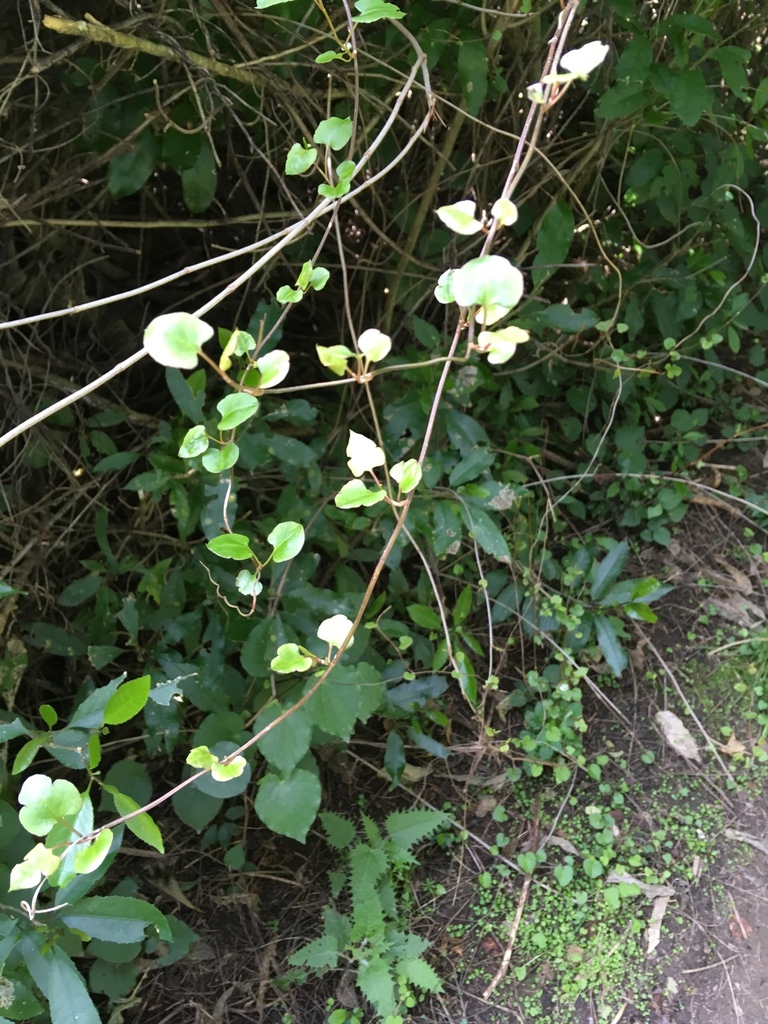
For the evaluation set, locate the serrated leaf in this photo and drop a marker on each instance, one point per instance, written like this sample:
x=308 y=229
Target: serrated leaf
x=420 y=974
x=320 y=955
x=127 y=701
x=340 y=831
x=375 y=981
x=406 y=828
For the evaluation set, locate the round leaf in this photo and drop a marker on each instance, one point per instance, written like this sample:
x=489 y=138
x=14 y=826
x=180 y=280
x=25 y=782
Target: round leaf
x=236 y=409
x=334 y=132
x=300 y=158
x=195 y=442
x=287 y=540
x=219 y=460
x=248 y=583
x=407 y=474
x=374 y=344
x=45 y=803
x=289 y=806
x=38 y=864
x=501 y=345
x=334 y=358
x=505 y=212
x=273 y=368
x=174 y=339
x=585 y=59
x=335 y=630
x=488 y=281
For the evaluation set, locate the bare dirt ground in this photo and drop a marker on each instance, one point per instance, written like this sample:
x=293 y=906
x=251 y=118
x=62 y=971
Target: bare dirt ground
x=702 y=828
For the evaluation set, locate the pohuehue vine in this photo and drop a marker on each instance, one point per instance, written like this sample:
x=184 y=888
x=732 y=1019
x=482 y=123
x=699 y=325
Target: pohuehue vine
x=276 y=665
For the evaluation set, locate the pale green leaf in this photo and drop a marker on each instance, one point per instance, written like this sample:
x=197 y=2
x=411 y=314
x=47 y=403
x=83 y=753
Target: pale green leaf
x=236 y=409
x=174 y=339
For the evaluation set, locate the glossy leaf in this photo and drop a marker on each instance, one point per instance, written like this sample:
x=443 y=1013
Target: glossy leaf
x=407 y=474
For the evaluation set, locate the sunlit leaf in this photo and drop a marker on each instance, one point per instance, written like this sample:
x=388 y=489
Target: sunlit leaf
x=174 y=339
x=407 y=474
x=460 y=217
x=374 y=344
x=334 y=630
x=363 y=455
x=334 y=357
x=354 y=494
x=289 y=658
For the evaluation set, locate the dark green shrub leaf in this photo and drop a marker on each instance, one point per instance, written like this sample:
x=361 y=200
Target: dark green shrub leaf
x=288 y=806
